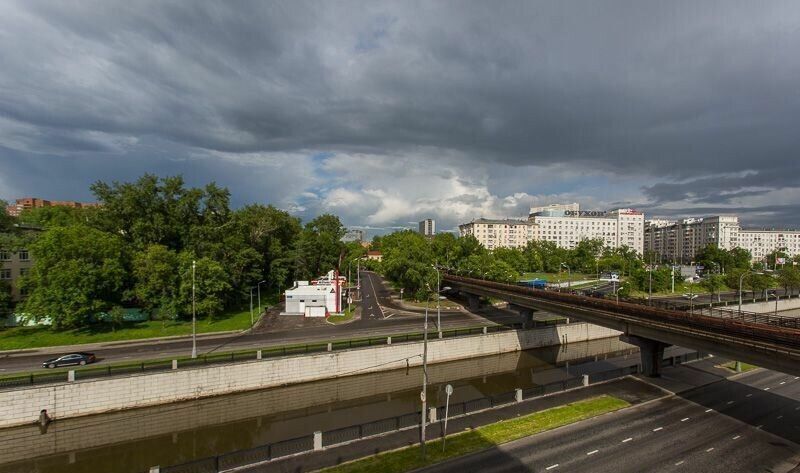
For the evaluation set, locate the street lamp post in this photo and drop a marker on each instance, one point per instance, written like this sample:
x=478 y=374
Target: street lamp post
x=259 y=299
x=423 y=394
x=569 y=276
x=251 y=306
x=438 y=305
x=194 y=316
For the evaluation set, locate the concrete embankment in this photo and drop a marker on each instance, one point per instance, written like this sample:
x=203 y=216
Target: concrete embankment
x=72 y=399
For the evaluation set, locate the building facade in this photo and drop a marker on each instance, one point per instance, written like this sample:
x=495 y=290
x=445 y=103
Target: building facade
x=563 y=224
x=427 y=227
x=13 y=266
x=493 y=234
x=34 y=203
x=680 y=241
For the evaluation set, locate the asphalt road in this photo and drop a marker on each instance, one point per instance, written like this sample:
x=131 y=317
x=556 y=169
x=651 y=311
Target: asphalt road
x=375 y=321
x=749 y=424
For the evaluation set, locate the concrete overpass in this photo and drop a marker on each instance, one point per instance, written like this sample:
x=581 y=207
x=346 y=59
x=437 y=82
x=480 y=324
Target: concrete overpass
x=652 y=329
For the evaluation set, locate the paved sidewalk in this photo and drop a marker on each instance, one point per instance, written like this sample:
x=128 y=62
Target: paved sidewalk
x=629 y=389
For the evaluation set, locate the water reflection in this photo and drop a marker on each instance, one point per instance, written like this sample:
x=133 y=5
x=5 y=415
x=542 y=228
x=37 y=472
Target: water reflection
x=134 y=440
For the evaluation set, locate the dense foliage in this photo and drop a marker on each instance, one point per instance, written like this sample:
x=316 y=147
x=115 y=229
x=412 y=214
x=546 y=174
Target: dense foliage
x=138 y=248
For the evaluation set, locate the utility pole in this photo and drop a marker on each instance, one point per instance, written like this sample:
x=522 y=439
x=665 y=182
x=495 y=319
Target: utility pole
x=251 y=306
x=438 y=306
x=423 y=394
x=259 y=299
x=194 y=315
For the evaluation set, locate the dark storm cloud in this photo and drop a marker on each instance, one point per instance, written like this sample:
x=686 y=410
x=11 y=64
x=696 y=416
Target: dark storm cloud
x=680 y=92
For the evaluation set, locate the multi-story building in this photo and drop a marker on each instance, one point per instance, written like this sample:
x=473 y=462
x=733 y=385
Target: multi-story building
x=563 y=224
x=566 y=225
x=353 y=235
x=679 y=241
x=14 y=265
x=34 y=203
x=493 y=234
x=427 y=227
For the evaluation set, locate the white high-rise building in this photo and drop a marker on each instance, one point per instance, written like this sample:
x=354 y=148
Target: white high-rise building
x=563 y=224
x=680 y=241
x=427 y=227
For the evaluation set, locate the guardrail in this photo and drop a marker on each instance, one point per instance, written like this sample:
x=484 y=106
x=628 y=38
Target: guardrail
x=60 y=376
x=322 y=439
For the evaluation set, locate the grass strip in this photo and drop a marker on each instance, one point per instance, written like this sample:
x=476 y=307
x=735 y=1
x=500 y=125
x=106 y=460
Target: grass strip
x=731 y=365
x=472 y=441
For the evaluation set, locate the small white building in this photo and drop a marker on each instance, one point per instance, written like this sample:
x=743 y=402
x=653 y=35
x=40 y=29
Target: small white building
x=316 y=298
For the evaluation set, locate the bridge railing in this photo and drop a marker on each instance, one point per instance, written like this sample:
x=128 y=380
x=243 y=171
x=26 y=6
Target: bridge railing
x=765 y=336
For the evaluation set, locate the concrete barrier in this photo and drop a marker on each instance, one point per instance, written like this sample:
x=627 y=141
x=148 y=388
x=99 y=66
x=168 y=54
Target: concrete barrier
x=92 y=396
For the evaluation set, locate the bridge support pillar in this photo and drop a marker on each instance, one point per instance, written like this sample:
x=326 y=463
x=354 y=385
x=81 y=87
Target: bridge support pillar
x=652 y=353
x=474 y=301
x=525 y=315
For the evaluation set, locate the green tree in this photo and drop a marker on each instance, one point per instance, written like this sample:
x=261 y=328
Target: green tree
x=789 y=278
x=5 y=297
x=6 y=221
x=211 y=285
x=513 y=257
x=714 y=283
x=78 y=272
x=46 y=217
x=408 y=260
x=585 y=256
x=116 y=316
x=320 y=247
x=156 y=274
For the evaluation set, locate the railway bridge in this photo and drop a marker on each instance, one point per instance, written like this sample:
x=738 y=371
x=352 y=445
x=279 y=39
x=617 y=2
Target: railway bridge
x=652 y=329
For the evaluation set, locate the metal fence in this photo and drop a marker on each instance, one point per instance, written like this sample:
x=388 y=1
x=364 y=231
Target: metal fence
x=60 y=376
x=305 y=444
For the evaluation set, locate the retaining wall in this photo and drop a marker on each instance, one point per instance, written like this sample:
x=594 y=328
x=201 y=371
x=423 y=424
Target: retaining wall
x=22 y=406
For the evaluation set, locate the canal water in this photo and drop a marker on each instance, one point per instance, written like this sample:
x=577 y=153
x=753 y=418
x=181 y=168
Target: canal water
x=134 y=440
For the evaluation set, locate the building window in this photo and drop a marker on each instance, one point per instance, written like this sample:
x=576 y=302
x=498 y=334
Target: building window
x=5 y=255
x=24 y=271
x=23 y=255
x=5 y=273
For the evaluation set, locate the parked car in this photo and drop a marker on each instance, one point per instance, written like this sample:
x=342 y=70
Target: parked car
x=71 y=359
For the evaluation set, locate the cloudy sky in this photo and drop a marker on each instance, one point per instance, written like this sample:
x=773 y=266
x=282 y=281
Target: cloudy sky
x=388 y=112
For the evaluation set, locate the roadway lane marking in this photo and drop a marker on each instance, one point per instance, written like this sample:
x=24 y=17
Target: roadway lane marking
x=780 y=417
x=749 y=395
x=730 y=402
x=759 y=426
x=783 y=382
x=766 y=389
x=627 y=439
x=657 y=429
x=710 y=449
x=709 y=410
x=684 y=419
x=552 y=466
x=736 y=438
x=679 y=463
x=592 y=452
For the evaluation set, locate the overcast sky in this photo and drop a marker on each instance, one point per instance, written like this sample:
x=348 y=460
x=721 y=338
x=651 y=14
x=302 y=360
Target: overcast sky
x=387 y=113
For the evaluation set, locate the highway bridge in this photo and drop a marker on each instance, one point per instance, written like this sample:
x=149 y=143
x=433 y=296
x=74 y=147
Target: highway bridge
x=652 y=329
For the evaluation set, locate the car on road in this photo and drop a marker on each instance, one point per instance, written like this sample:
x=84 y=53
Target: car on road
x=70 y=359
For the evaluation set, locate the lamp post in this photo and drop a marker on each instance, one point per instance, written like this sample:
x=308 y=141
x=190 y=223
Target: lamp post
x=423 y=394
x=251 y=306
x=569 y=276
x=194 y=316
x=259 y=298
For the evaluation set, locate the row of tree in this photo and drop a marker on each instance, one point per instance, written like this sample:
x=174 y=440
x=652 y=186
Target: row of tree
x=141 y=245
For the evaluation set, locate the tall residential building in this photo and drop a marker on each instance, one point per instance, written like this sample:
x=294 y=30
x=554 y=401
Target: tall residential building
x=427 y=227
x=566 y=225
x=563 y=224
x=14 y=265
x=34 y=203
x=679 y=241
x=353 y=235
x=493 y=234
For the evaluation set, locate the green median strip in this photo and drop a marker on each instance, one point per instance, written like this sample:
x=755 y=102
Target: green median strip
x=488 y=436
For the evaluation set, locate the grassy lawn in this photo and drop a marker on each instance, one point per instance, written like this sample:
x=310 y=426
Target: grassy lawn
x=681 y=287
x=445 y=304
x=483 y=437
x=563 y=277
x=32 y=337
x=340 y=319
x=731 y=365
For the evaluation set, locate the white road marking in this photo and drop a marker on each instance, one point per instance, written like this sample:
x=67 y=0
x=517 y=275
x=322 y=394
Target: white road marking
x=730 y=402
x=592 y=452
x=749 y=395
x=684 y=419
x=766 y=389
x=627 y=439
x=783 y=382
x=709 y=410
x=710 y=449
x=736 y=438
x=759 y=426
x=780 y=417
x=657 y=429
x=679 y=463
x=551 y=467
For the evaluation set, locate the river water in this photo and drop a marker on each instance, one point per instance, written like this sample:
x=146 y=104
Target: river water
x=134 y=440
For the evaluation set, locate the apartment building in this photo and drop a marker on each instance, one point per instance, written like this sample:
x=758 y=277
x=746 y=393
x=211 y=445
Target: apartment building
x=353 y=235
x=34 y=203
x=427 y=227
x=14 y=265
x=508 y=233
x=681 y=240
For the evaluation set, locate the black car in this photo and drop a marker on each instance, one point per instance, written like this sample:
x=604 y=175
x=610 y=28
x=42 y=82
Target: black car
x=71 y=359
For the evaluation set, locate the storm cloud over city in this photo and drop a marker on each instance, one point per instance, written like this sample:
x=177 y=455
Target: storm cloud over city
x=387 y=113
